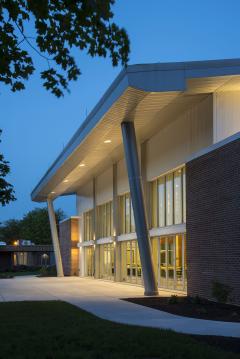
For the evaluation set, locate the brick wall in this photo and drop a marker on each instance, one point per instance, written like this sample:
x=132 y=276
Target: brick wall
x=213 y=220
x=68 y=238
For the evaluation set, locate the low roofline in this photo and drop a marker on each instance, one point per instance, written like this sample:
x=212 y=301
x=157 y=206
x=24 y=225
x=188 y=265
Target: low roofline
x=158 y=77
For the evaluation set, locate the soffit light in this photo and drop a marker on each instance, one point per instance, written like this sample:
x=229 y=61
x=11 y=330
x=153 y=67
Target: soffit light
x=53 y=192
x=66 y=180
x=82 y=165
x=107 y=141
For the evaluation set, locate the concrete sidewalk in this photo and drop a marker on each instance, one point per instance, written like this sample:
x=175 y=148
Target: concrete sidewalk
x=102 y=298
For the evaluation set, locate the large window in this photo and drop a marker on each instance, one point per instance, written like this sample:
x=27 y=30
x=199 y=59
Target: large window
x=88 y=225
x=104 y=220
x=127 y=223
x=168 y=203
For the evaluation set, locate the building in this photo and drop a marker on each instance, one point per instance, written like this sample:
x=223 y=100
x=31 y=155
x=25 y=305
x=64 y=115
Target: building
x=156 y=172
x=13 y=256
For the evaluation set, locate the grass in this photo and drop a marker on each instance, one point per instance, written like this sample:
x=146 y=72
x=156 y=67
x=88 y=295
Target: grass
x=52 y=330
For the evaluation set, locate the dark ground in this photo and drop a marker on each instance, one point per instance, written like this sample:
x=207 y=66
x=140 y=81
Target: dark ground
x=53 y=330
x=201 y=309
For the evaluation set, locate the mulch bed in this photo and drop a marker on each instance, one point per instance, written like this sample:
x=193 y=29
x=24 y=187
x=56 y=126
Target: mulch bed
x=201 y=309
x=191 y=307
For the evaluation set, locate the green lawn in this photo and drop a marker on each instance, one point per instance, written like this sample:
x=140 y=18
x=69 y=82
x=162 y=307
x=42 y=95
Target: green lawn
x=51 y=330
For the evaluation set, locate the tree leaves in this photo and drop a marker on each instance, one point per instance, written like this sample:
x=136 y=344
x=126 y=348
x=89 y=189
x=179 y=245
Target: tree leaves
x=34 y=227
x=6 y=189
x=60 y=26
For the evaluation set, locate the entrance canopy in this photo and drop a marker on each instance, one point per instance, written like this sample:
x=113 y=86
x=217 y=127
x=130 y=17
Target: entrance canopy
x=151 y=95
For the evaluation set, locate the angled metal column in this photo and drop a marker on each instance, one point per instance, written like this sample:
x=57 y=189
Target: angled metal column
x=56 y=247
x=136 y=190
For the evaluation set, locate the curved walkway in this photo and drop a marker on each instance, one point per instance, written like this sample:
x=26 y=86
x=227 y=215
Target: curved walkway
x=102 y=298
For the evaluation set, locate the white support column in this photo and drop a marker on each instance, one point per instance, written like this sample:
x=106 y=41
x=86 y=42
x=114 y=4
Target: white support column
x=55 y=240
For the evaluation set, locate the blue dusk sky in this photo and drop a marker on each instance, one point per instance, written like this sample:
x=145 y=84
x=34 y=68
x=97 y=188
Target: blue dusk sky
x=36 y=125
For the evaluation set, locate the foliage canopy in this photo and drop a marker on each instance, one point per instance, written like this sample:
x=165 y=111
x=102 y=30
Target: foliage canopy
x=6 y=189
x=59 y=28
x=34 y=227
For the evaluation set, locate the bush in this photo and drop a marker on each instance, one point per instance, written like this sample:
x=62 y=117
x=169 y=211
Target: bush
x=221 y=292
x=48 y=271
x=173 y=299
x=196 y=300
x=24 y=268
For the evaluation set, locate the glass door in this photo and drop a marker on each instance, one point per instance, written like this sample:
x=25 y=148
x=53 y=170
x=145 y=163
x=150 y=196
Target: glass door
x=131 y=269
x=172 y=262
x=107 y=261
x=89 y=258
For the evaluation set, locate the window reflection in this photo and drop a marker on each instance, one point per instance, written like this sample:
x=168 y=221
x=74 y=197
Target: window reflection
x=168 y=199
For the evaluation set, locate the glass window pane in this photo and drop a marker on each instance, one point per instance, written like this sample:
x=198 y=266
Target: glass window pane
x=184 y=195
x=108 y=220
x=122 y=214
x=161 y=202
x=111 y=213
x=132 y=220
x=129 y=261
x=169 y=199
x=178 y=196
x=154 y=223
x=127 y=213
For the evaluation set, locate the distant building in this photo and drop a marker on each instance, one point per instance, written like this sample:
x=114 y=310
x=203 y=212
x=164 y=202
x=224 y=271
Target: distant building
x=25 y=255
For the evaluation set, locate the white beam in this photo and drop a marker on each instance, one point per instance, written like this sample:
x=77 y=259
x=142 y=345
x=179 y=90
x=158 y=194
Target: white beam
x=55 y=240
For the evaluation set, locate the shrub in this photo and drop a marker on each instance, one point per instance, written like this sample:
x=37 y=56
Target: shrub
x=24 y=268
x=173 y=299
x=48 y=271
x=221 y=292
x=196 y=300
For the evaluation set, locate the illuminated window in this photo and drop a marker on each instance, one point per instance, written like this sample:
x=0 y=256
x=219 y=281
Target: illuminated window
x=178 y=197
x=168 y=199
x=104 y=220
x=107 y=261
x=131 y=269
x=127 y=223
x=169 y=260
x=89 y=261
x=88 y=225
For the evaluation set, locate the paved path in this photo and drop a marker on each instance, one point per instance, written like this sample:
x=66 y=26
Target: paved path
x=102 y=299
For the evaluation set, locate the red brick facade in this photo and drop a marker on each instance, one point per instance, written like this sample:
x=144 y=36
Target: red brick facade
x=213 y=221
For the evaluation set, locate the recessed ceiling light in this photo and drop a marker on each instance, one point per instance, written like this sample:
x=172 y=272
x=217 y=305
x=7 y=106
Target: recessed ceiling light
x=107 y=141
x=53 y=192
x=82 y=165
x=66 y=180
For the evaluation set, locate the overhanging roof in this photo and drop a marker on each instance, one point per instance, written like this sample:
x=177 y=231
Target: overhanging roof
x=147 y=94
